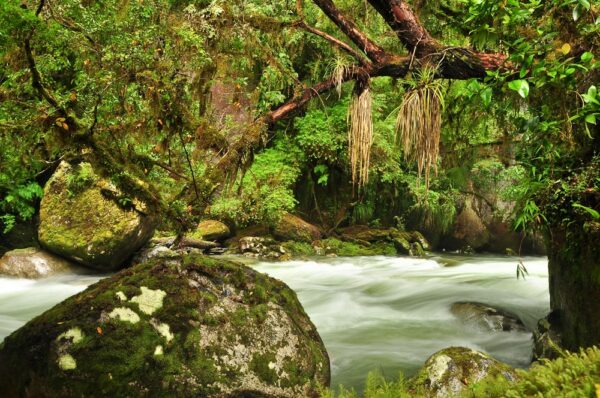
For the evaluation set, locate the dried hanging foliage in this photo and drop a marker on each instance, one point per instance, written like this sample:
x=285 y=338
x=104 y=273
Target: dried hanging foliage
x=419 y=123
x=360 y=133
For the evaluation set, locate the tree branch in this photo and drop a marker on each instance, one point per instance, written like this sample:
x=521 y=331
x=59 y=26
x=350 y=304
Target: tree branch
x=336 y=42
x=375 y=52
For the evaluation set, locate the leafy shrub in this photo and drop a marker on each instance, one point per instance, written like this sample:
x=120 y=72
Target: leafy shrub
x=19 y=204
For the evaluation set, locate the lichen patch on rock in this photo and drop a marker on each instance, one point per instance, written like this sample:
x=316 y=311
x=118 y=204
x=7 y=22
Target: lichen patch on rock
x=75 y=334
x=149 y=300
x=67 y=362
x=163 y=329
x=124 y=314
x=121 y=296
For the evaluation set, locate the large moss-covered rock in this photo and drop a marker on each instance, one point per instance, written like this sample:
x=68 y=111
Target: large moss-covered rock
x=451 y=370
x=81 y=218
x=32 y=263
x=291 y=227
x=211 y=230
x=182 y=327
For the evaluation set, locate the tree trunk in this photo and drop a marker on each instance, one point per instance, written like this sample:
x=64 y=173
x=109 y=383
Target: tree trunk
x=574 y=269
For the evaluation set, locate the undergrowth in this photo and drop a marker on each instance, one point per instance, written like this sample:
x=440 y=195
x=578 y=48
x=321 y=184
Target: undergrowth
x=574 y=375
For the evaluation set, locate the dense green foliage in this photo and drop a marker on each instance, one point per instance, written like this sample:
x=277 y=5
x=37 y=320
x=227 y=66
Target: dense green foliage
x=165 y=87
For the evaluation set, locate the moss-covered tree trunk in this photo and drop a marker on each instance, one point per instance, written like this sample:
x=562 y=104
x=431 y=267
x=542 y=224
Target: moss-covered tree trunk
x=574 y=269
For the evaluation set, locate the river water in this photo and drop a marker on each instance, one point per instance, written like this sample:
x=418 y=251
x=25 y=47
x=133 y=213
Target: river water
x=373 y=313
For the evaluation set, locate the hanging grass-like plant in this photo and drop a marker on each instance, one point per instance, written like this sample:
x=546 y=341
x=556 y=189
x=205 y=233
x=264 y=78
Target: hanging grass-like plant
x=419 y=123
x=338 y=69
x=360 y=133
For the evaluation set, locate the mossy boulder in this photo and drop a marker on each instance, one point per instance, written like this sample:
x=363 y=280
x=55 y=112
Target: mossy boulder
x=33 y=263
x=211 y=230
x=84 y=218
x=291 y=227
x=409 y=243
x=450 y=371
x=365 y=233
x=182 y=327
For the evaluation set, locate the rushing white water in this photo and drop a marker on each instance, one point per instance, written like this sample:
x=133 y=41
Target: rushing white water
x=386 y=313
x=391 y=313
x=23 y=299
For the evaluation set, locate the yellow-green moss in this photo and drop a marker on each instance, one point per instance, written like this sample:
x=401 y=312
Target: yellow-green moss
x=86 y=225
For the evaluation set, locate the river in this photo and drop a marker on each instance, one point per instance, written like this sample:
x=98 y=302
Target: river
x=373 y=313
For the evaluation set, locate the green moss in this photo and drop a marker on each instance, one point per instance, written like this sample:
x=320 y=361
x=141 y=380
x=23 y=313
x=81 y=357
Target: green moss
x=264 y=367
x=351 y=249
x=299 y=249
x=88 y=226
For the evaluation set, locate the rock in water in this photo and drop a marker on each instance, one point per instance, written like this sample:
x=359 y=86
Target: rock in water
x=81 y=219
x=192 y=326
x=486 y=317
x=32 y=263
x=211 y=230
x=292 y=227
x=449 y=371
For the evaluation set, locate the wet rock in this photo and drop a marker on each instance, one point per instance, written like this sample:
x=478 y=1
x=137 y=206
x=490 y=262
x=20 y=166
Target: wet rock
x=486 y=317
x=469 y=228
x=81 y=219
x=211 y=230
x=409 y=243
x=154 y=252
x=33 y=263
x=196 y=326
x=449 y=371
x=262 y=247
x=291 y=227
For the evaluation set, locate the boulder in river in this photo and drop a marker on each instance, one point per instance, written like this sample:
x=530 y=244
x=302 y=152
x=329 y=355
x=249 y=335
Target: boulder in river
x=179 y=327
x=211 y=230
x=32 y=263
x=451 y=370
x=81 y=219
x=291 y=227
x=487 y=317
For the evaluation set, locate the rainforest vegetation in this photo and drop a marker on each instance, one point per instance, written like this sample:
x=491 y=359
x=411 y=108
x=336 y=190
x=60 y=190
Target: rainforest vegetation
x=474 y=122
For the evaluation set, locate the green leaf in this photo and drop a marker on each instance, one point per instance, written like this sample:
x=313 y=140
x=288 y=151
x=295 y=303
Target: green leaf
x=595 y=215
x=486 y=96
x=520 y=86
x=591 y=118
x=585 y=4
x=576 y=12
x=587 y=56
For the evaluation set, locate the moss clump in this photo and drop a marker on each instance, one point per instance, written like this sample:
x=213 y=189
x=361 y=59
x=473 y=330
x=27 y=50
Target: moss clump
x=263 y=366
x=299 y=249
x=351 y=249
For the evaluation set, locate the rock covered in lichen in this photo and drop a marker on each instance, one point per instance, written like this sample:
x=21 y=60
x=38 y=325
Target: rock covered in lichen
x=451 y=370
x=32 y=263
x=84 y=218
x=190 y=326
